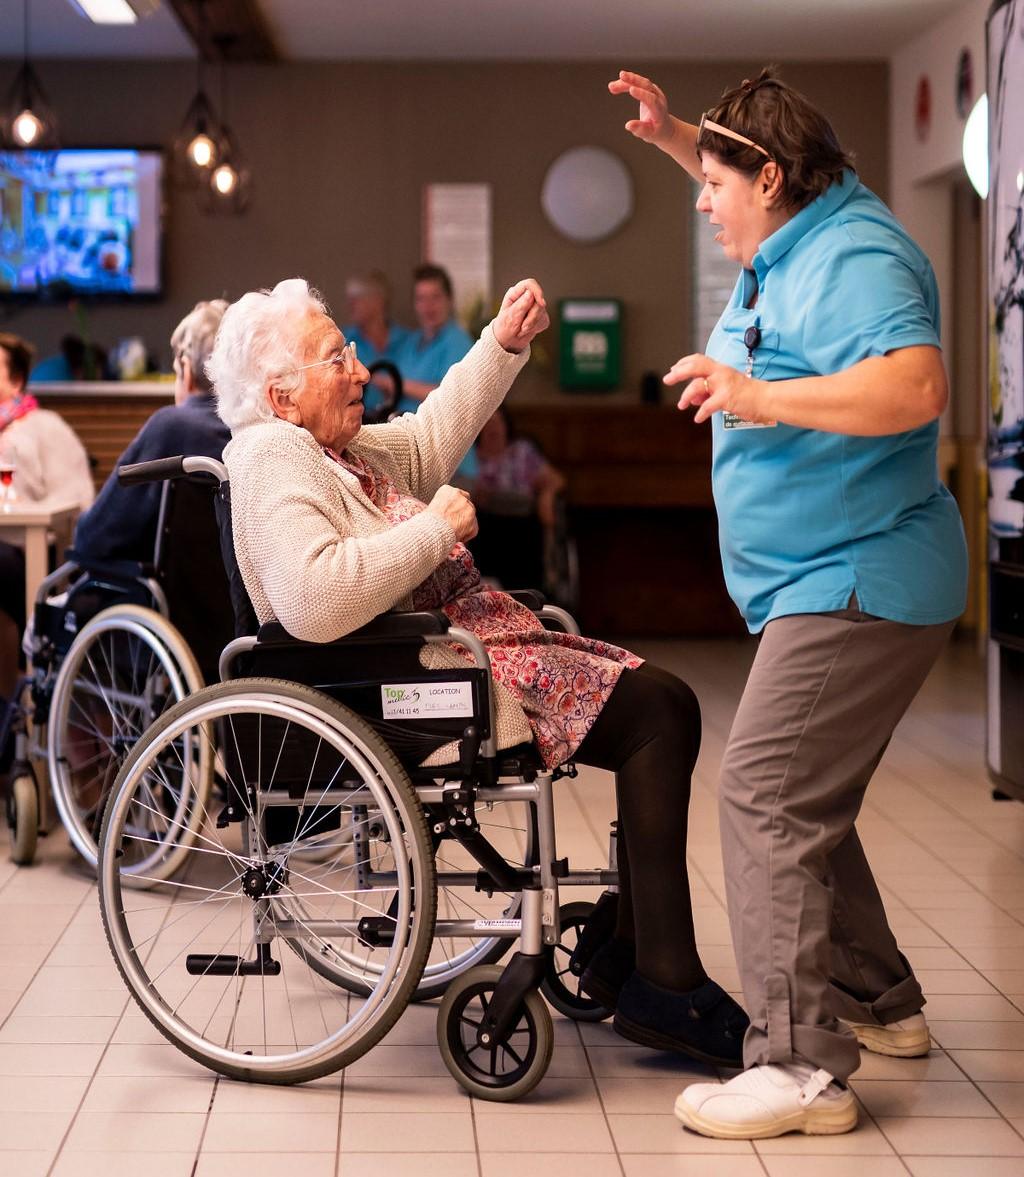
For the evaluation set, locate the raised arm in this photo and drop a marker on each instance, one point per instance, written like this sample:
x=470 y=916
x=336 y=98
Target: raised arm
x=430 y=443
x=655 y=125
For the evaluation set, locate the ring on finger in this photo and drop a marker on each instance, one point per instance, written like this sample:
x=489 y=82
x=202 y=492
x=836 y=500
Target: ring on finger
x=707 y=387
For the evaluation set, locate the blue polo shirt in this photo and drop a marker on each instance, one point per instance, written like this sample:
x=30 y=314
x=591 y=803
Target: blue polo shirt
x=428 y=360
x=365 y=350
x=807 y=518
x=368 y=354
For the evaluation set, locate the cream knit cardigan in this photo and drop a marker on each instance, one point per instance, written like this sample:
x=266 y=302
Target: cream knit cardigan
x=316 y=555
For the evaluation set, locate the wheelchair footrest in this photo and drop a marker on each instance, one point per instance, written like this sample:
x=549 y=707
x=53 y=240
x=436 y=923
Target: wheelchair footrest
x=201 y=964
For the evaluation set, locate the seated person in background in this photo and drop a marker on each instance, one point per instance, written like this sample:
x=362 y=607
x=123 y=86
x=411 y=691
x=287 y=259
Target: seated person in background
x=335 y=524
x=370 y=326
x=76 y=360
x=50 y=469
x=515 y=490
x=122 y=522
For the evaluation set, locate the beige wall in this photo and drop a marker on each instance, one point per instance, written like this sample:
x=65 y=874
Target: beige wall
x=340 y=153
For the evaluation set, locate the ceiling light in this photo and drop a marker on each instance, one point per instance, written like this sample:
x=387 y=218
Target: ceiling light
x=115 y=12
x=225 y=179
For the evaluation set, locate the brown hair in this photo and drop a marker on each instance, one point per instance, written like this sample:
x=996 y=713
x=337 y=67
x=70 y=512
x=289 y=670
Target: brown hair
x=794 y=133
x=19 y=357
x=428 y=272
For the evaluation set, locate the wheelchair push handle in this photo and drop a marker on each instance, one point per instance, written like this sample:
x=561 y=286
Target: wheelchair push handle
x=167 y=469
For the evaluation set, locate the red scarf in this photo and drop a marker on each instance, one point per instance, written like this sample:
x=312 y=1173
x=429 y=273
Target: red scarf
x=19 y=406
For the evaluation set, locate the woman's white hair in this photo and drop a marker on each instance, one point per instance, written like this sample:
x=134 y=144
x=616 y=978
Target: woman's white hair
x=259 y=344
x=194 y=335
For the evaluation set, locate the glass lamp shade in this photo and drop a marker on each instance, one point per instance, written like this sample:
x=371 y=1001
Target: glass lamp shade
x=196 y=147
x=228 y=189
x=28 y=119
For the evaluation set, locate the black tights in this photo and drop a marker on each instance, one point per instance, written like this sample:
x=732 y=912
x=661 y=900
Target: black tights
x=648 y=734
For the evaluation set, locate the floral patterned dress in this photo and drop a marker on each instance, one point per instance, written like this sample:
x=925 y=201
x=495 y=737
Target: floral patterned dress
x=561 y=681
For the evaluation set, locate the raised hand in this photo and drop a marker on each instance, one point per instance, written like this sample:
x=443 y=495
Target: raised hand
x=523 y=314
x=653 y=125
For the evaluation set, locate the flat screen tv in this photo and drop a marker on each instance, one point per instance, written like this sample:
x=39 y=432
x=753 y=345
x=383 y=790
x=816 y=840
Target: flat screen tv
x=83 y=222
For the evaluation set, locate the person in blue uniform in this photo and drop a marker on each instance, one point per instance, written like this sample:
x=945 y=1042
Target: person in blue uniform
x=426 y=354
x=371 y=328
x=823 y=383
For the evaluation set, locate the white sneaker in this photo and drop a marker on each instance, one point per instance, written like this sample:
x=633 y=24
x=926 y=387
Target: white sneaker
x=769 y=1101
x=906 y=1039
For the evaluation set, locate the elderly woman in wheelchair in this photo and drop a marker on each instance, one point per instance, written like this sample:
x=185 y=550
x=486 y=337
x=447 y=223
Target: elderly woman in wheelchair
x=359 y=815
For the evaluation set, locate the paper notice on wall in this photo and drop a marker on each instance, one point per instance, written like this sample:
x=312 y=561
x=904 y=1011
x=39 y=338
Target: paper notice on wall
x=457 y=235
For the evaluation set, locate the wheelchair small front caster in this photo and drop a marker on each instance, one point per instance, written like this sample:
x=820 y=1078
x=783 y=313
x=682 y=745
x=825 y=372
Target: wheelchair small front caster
x=495 y=1070
x=23 y=819
x=560 y=986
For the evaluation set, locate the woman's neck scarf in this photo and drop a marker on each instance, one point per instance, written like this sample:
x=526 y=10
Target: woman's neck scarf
x=18 y=406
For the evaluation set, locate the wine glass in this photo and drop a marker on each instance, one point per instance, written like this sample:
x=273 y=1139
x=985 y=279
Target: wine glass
x=7 y=469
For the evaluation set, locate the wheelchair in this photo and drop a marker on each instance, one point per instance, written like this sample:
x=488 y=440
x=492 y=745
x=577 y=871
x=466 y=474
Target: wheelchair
x=369 y=846
x=110 y=650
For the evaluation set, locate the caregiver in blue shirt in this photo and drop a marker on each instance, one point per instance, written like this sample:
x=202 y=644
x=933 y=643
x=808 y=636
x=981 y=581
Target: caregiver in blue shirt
x=823 y=383
x=425 y=355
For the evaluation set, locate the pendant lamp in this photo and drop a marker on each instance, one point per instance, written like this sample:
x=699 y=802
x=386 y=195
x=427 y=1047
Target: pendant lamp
x=195 y=147
x=229 y=187
x=28 y=119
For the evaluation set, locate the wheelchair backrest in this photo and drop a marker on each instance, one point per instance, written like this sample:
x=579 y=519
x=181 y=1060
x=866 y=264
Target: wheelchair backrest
x=246 y=621
x=191 y=571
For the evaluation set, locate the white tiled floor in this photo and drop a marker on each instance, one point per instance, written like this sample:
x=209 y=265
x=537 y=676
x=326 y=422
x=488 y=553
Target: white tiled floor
x=86 y=1088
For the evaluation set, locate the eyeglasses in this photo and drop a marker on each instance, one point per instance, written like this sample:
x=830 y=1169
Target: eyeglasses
x=720 y=130
x=346 y=358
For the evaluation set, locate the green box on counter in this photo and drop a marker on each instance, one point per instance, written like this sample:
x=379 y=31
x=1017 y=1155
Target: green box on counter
x=590 y=342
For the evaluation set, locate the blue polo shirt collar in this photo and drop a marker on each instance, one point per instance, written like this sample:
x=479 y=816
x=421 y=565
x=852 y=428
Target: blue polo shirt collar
x=782 y=240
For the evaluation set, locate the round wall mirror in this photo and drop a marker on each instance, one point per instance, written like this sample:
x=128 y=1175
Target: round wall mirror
x=587 y=193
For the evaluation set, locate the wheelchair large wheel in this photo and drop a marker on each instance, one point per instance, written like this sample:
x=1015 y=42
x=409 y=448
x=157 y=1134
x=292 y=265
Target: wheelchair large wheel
x=511 y=827
x=125 y=668
x=218 y=958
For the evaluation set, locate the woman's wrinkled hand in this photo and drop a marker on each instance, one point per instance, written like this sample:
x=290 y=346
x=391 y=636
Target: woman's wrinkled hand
x=456 y=508
x=522 y=315
x=653 y=124
x=716 y=388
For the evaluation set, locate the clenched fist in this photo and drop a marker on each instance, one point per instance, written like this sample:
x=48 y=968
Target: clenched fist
x=456 y=508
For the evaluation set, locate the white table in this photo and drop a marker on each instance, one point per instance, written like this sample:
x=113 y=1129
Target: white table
x=29 y=526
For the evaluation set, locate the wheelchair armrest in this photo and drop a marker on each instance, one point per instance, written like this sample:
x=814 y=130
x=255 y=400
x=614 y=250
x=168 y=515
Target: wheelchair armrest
x=112 y=569
x=388 y=626
x=533 y=599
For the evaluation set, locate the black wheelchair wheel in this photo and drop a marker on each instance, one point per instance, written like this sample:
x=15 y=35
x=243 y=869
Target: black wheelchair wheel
x=503 y=1070
x=560 y=986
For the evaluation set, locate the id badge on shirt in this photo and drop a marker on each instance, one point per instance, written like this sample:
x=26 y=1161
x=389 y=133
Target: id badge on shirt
x=731 y=421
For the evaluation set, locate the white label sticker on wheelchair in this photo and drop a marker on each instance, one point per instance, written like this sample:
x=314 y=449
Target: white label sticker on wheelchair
x=497 y=925
x=426 y=700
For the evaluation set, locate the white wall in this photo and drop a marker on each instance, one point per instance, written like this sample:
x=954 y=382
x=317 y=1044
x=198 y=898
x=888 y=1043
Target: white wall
x=921 y=172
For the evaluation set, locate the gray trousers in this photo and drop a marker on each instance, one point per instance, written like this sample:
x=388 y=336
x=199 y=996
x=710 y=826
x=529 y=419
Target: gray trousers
x=812 y=942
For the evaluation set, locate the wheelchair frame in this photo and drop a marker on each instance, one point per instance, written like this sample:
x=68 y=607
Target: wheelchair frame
x=446 y=796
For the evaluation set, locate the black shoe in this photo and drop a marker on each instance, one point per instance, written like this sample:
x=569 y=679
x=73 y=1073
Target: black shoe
x=595 y=933
x=610 y=968
x=704 y=1023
